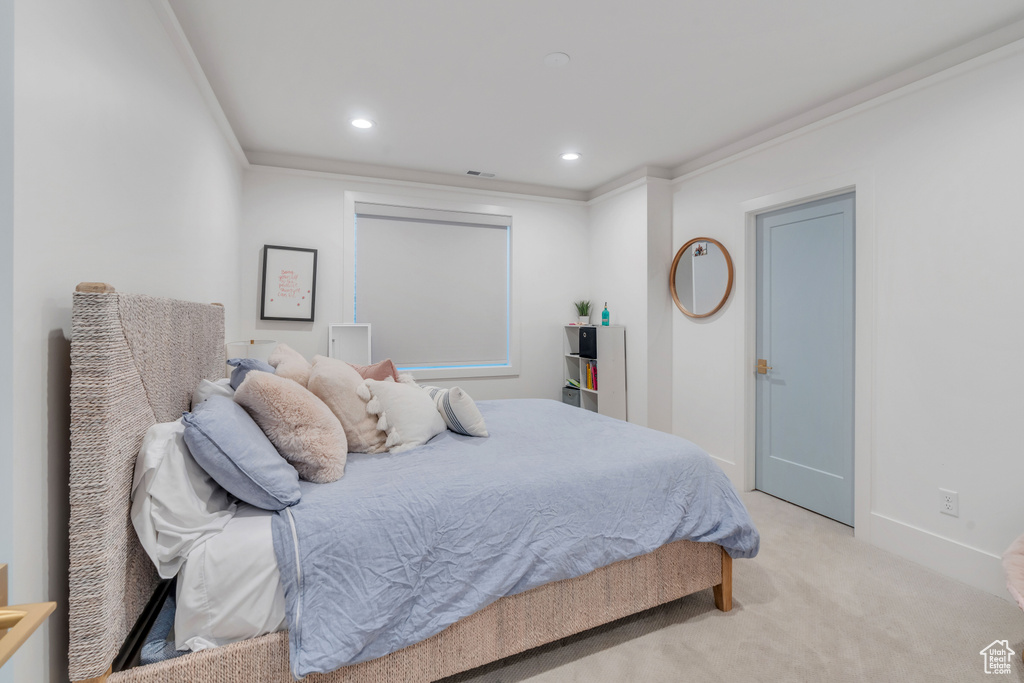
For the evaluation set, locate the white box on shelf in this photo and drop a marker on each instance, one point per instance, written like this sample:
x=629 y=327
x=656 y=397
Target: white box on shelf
x=349 y=342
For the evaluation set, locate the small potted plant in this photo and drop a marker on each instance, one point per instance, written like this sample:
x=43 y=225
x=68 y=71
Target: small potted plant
x=582 y=311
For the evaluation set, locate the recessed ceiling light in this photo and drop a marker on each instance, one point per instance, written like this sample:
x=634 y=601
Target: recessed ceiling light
x=570 y=156
x=556 y=59
x=362 y=123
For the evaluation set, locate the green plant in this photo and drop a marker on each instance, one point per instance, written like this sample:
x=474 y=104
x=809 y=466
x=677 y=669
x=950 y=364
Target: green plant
x=582 y=307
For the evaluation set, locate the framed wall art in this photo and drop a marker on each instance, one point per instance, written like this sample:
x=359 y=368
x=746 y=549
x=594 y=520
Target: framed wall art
x=289 y=284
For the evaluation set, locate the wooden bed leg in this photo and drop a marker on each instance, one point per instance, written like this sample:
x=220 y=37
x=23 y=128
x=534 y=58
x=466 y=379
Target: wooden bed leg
x=101 y=679
x=723 y=591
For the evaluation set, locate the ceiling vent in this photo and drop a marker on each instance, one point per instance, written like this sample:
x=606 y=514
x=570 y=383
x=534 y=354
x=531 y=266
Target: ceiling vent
x=480 y=174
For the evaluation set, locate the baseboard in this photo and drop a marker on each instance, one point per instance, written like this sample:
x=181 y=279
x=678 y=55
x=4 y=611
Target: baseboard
x=972 y=566
x=731 y=470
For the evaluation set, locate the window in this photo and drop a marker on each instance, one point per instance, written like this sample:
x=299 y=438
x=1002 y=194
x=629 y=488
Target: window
x=436 y=287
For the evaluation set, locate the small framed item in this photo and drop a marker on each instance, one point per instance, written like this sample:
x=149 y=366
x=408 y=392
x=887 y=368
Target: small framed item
x=289 y=284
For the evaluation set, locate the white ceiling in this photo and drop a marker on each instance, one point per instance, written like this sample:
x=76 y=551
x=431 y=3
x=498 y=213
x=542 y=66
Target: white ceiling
x=457 y=85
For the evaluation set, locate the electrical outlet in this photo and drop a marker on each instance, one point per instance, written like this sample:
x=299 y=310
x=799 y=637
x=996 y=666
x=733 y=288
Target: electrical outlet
x=949 y=502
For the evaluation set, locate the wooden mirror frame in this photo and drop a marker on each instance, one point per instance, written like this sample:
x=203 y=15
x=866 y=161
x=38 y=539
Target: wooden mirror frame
x=672 y=277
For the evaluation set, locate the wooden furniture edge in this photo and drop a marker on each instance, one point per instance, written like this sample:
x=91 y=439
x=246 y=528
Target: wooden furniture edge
x=3 y=593
x=18 y=622
x=94 y=287
x=98 y=679
x=723 y=591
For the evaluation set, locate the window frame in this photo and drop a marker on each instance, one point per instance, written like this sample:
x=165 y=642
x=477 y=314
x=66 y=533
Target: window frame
x=511 y=368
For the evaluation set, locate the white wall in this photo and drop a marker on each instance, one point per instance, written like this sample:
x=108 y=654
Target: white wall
x=618 y=261
x=630 y=254
x=660 y=307
x=6 y=283
x=938 y=168
x=549 y=256
x=120 y=175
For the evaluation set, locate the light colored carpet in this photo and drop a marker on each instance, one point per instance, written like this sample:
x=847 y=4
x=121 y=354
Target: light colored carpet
x=814 y=605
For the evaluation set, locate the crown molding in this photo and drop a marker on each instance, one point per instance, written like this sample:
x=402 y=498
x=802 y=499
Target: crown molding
x=982 y=50
x=191 y=63
x=974 y=53
x=373 y=180
x=366 y=172
x=628 y=182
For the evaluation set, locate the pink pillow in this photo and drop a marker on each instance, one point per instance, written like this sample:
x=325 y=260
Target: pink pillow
x=302 y=428
x=378 y=371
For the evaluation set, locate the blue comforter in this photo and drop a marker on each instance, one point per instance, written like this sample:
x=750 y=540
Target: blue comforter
x=405 y=545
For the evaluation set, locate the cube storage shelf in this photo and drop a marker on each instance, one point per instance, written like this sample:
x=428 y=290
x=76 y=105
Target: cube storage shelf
x=609 y=398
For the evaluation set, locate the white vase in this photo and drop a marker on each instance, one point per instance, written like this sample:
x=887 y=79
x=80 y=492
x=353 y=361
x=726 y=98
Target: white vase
x=584 y=320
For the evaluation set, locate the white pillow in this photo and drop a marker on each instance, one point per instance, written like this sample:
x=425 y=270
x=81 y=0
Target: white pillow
x=175 y=503
x=458 y=410
x=405 y=413
x=206 y=389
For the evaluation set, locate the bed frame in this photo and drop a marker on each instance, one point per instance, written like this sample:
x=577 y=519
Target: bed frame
x=134 y=362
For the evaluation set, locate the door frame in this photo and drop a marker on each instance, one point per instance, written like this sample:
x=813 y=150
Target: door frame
x=864 y=286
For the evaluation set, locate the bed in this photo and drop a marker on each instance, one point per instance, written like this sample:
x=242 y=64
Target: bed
x=135 y=362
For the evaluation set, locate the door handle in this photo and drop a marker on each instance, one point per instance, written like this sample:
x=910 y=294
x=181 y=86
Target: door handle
x=762 y=366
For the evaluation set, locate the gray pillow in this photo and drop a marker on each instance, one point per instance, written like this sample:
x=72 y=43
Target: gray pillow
x=231 y=447
x=243 y=366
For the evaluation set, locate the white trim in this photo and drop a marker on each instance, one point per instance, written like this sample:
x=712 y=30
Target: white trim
x=817 y=118
x=511 y=370
x=621 y=189
x=976 y=53
x=349 y=264
x=972 y=566
x=861 y=182
x=625 y=181
x=419 y=213
x=643 y=181
x=367 y=180
x=169 y=20
x=730 y=469
x=394 y=174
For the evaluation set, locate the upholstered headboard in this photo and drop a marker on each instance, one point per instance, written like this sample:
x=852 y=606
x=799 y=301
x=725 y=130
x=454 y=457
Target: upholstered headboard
x=134 y=362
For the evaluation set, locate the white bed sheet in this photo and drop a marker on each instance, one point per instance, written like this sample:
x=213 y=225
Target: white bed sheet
x=229 y=588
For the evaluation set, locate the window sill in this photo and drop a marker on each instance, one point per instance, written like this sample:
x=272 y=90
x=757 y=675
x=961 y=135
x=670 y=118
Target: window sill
x=421 y=373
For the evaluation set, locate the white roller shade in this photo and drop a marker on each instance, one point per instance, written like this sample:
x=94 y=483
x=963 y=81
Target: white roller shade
x=434 y=285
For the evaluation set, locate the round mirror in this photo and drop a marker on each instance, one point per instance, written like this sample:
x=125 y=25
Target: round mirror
x=701 y=277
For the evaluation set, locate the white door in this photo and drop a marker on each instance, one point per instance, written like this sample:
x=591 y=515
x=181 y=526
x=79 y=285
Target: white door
x=805 y=333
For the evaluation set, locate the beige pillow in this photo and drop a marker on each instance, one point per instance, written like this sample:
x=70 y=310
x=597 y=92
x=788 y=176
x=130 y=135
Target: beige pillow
x=289 y=363
x=302 y=428
x=336 y=382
